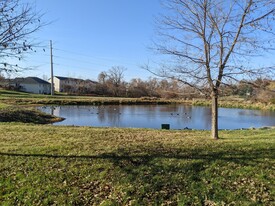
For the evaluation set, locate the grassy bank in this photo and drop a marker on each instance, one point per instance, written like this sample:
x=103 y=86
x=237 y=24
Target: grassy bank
x=20 y=98
x=15 y=113
x=50 y=165
x=236 y=102
x=18 y=114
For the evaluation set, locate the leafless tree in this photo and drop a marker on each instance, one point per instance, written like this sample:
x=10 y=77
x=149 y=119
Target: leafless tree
x=116 y=75
x=138 y=88
x=112 y=82
x=115 y=82
x=212 y=41
x=18 y=20
x=102 y=77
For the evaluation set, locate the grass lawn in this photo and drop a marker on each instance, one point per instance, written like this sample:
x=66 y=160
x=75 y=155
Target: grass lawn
x=58 y=165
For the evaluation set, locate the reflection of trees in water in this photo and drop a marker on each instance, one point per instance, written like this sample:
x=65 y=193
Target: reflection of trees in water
x=178 y=110
x=168 y=109
x=110 y=114
x=55 y=110
x=206 y=116
x=184 y=115
x=189 y=115
x=141 y=110
x=178 y=116
x=70 y=111
x=100 y=113
x=250 y=113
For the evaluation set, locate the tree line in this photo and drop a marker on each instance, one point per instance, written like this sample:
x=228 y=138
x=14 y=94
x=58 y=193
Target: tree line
x=112 y=83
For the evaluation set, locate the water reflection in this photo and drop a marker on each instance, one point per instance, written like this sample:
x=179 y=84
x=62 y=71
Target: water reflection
x=152 y=116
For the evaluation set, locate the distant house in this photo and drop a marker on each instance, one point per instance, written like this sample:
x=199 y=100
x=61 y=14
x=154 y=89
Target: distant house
x=31 y=85
x=73 y=85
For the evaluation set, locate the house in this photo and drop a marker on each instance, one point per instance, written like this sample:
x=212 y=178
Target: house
x=31 y=85
x=73 y=85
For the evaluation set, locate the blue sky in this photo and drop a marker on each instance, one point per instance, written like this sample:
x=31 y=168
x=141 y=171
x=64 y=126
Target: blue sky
x=90 y=36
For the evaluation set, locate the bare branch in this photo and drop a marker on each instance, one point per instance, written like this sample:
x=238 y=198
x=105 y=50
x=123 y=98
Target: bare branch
x=18 y=21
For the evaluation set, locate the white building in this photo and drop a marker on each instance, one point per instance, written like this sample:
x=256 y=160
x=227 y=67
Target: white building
x=32 y=85
x=73 y=85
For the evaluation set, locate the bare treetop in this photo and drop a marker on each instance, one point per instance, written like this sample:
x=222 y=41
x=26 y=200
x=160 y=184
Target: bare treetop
x=17 y=22
x=214 y=39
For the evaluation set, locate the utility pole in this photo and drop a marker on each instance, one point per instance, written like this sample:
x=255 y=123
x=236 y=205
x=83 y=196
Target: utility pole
x=52 y=84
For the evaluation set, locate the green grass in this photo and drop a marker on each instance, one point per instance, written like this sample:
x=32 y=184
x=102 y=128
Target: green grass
x=2 y=105
x=50 y=165
x=26 y=115
x=58 y=165
x=21 y=98
x=236 y=102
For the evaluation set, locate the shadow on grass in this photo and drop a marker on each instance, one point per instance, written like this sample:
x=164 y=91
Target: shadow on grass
x=237 y=156
x=158 y=176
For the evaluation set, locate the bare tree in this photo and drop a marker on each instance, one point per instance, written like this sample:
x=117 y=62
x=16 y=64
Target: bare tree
x=18 y=21
x=212 y=41
x=116 y=75
x=115 y=80
x=102 y=77
x=112 y=82
x=137 y=88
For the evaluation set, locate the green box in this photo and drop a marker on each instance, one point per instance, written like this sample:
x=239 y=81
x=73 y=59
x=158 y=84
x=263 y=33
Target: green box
x=165 y=126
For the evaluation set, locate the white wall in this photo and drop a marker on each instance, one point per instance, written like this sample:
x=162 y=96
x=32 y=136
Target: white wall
x=36 y=88
x=59 y=85
x=56 y=83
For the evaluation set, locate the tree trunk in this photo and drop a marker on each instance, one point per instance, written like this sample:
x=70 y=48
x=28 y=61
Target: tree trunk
x=214 y=128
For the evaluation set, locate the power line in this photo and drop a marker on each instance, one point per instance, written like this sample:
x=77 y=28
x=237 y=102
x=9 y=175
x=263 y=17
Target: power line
x=78 y=68
x=72 y=59
x=83 y=55
x=93 y=57
x=78 y=62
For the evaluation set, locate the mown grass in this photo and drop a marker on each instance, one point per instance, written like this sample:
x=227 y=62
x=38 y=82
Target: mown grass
x=57 y=165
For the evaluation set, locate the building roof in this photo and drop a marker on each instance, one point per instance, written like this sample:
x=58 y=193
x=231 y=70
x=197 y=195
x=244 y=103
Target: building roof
x=67 y=78
x=30 y=80
x=74 y=79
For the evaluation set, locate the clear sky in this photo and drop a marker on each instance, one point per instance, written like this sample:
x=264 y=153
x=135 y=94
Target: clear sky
x=90 y=36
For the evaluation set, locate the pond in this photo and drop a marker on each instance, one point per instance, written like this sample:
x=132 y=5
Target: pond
x=153 y=116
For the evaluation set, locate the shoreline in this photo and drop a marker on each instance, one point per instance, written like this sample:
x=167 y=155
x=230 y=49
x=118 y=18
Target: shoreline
x=27 y=101
x=23 y=115
x=225 y=102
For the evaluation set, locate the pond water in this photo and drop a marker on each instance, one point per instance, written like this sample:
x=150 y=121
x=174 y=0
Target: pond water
x=152 y=116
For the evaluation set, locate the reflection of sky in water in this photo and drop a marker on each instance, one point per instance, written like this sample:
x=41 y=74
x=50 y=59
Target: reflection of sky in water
x=152 y=116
